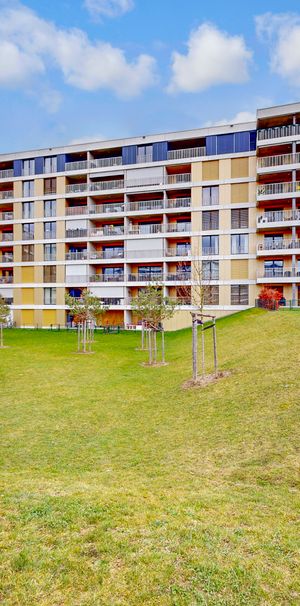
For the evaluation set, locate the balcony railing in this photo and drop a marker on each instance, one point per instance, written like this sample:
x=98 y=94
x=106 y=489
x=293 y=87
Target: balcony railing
x=191 y=152
x=178 y=202
x=7 y=236
x=77 y=210
x=184 y=276
x=107 y=254
x=278 y=131
x=76 y=233
x=281 y=160
x=279 y=272
x=99 y=209
x=175 y=252
x=140 y=205
x=279 y=216
x=98 y=163
x=146 y=277
x=7 y=174
x=210 y=250
x=107 y=278
x=179 y=178
x=76 y=255
x=5 y=195
x=77 y=188
x=6 y=279
x=272 y=189
x=107 y=230
x=146 y=229
x=6 y=216
x=178 y=227
x=284 y=244
x=7 y=258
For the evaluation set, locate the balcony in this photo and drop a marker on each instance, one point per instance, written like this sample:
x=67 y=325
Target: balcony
x=146 y=229
x=107 y=278
x=5 y=195
x=90 y=164
x=7 y=216
x=7 y=236
x=178 y=227
x=284 y=246
x=278 y=132
x=107 y=230
x=77 y=210
x=280 y=274
x=175 y=252
x=146 y=277
x=79 y=188
x=183 y=276
x=279 y=218
x=6 y=279
x=142 y=205
x=278 y=189
x=107 y=254
x=7 y=258
x=277 y=161
x=99 y=209
x=7 y=174
x=76 y=255
x=183 y=154
x=76 y=233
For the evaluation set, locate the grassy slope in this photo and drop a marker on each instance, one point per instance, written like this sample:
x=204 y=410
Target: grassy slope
x=120 y=488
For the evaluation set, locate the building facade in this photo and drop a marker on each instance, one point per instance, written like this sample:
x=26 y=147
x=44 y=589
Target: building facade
x=114 y=215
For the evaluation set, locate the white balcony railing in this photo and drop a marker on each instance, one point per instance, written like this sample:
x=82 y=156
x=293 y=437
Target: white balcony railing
x=278 y=216
x=6 y=174
x=107 y=278
x=6 y=279
x=6 y=216
x=278 y=132
x=7 y=258
x=281 y=160
x=97 y=163
x=5 y=195
x=7 y=236
x=76 y=255
x=284 y=244
x=279 y=272
x=273 y=189
x=182 y=154
x=178 y=227
x=107 y=254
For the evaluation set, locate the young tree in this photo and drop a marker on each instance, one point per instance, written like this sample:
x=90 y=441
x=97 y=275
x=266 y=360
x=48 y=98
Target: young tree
x=269 y=297
x=86 y=310
x=152 y=308
x=4 y=313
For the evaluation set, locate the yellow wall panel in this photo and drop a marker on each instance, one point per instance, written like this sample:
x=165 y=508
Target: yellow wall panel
x=27 y=317
x=239 y=168
x=49 y=317
x=224 y=169
x=27 y=274
x=28 y=296
x=239 y=269
x=210 y=170
x=239 y=193
x=196 y=172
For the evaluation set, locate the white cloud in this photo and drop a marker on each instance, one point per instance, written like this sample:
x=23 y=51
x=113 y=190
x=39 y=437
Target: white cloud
x=237 y=119
x=282 y=33
x=32 y=45
x=214 y=57
x=108 y=8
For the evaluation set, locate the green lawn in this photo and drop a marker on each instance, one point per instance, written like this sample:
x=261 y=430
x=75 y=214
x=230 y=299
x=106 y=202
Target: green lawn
x=119 y=488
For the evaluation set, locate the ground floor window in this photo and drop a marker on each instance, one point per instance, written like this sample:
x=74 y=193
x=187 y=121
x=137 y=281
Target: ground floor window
x=239 y=294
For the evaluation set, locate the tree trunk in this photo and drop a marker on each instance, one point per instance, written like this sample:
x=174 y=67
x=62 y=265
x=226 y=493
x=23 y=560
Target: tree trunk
x=78 y=336
x=203 y=353
x=215 y=348
x=150 y=345
x=1 y=335
x=195 y=350
x=163 y=346
x=143 y=336
x=154 y=347
x=84 y=336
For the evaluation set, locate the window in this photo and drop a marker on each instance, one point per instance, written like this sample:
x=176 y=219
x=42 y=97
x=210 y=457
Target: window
x=49 y=252
x=28 y=252
x=49 y=208
x=112 y=252
x=210 y=270
x=50 y=186
x=211 y=295
x=50 y=273
x=239 y=294
x=183 y=248
x=49 y=296
x=50 y=230
x=27 y=210
x=28 y=189
x=28 y=231
x=239 y=218
x=239 y=244
x=273 y=268
x=50 y=164
x=210 y=245
x=273 y=242
x=150 y=272
x=210 y=220
x=210 y=195
x=144 y=153
x=28 y=167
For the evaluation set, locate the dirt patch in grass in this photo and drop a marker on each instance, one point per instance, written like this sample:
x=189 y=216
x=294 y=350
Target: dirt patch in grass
x=207 y=380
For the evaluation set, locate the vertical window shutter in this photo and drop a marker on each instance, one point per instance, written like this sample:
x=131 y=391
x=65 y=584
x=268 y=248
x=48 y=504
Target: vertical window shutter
x=160 y=151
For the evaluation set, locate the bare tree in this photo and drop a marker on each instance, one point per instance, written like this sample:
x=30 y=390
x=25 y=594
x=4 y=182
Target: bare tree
x=86 y=311
x=4 y=313
x=152 y=308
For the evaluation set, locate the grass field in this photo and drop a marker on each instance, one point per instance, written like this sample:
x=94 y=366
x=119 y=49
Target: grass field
x=119 y=488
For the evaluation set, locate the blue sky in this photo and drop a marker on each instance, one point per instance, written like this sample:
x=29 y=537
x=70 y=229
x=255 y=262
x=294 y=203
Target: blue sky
x=84 y=69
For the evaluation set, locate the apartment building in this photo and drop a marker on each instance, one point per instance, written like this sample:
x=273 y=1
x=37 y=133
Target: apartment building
x=114 y=215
